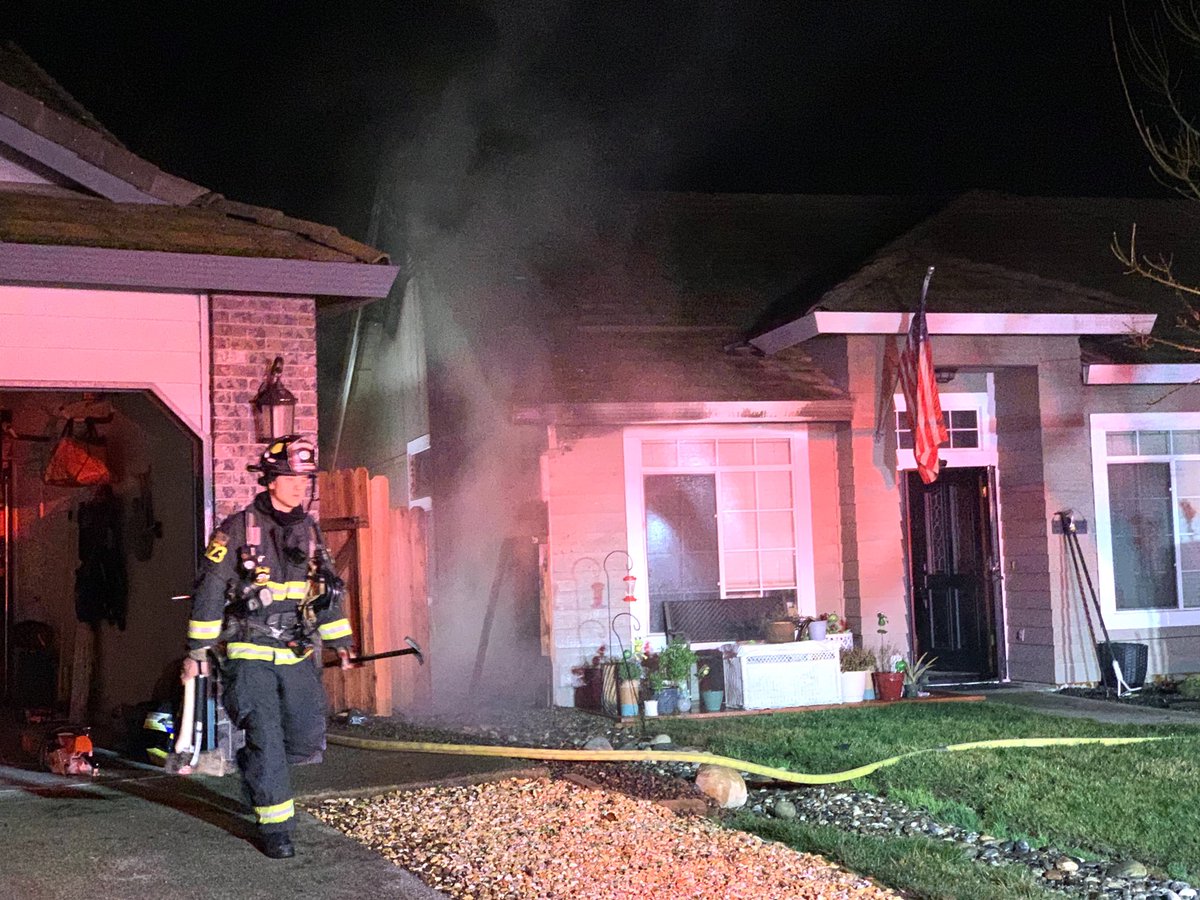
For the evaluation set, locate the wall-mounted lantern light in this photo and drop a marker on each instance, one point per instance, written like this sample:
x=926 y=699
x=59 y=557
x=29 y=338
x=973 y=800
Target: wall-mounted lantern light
x=274 y=407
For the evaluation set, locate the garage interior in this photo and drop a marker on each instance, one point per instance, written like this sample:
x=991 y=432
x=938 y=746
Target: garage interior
x=89 y=632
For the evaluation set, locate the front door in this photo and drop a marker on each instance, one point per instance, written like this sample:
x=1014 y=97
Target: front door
x=951 y=562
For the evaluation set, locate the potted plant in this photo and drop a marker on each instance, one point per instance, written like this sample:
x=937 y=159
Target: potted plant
x=857 y=664
x=779 y=629
x=817 y=628
x=664 y=694
x=711 y=697
x=916 y=675
x=888 y=677
x=629 y=677
x=675 y=662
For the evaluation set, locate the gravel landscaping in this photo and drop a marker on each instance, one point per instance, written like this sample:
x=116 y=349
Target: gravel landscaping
x=532 y=838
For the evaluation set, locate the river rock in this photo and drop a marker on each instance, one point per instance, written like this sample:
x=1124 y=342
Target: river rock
x=723 y=784
x=784 y=809
x=1066 y=864
x=1127 y=869
x=598 y=742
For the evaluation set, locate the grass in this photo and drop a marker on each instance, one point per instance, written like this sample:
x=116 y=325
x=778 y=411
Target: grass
x=1140 y=801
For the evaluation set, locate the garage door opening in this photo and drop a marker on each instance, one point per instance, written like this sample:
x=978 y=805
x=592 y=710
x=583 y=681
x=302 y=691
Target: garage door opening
x=88 y=629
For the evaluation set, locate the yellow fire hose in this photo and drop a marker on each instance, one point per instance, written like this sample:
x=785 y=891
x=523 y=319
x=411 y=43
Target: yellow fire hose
x=740 y=765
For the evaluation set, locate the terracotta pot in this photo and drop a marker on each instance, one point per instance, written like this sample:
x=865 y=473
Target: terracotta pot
x=781 y=632
x=888 y=685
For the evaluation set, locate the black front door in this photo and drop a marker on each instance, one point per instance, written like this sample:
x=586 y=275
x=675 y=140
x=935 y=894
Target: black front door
x=950 y=566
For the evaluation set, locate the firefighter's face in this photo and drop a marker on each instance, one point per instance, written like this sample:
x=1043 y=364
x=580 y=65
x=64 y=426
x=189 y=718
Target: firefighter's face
x=287 y=491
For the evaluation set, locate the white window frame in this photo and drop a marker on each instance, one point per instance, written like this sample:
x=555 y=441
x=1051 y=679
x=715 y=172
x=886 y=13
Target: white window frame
x=1101 y=425
x=635 y=507
x=984 y=405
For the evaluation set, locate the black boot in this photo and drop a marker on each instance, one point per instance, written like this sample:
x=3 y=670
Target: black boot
x=277 y=845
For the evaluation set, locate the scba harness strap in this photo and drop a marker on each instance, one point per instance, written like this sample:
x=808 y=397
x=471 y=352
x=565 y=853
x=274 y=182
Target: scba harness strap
x=254 y=591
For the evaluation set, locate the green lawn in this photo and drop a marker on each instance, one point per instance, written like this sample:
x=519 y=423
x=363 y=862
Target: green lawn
x=1140 y=801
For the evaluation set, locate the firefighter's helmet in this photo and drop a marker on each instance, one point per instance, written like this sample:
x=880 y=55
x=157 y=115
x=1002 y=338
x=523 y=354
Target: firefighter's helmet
x=290 y=455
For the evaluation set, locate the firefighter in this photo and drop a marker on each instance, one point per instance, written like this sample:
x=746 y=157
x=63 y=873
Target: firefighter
x=267 y=591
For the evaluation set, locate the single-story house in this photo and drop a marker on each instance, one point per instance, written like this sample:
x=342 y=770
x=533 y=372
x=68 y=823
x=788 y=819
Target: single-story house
x=693 y=397
x=152 y=308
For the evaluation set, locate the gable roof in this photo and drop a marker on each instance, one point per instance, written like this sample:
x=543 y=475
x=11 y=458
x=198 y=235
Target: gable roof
x=138 y=205
x=1009 y=255
x=655 y=306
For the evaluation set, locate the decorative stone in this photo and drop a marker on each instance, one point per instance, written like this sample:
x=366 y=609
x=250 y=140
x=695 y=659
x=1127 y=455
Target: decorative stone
x=660 y=739
x=1054 y=874
x=599 y=742
x=784 y=809
x=722 y=784
x=1127 y=869
x=1066 y=864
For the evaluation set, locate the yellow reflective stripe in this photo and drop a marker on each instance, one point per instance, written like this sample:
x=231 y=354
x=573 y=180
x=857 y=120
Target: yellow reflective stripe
x=271 y=815
x=333 y=630
x=202 y=630
x=280 y=656
x=156 y=752
x=288 y=590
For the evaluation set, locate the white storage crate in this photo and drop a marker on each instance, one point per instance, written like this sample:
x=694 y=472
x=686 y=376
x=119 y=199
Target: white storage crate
x=844 y=639
x=769 y=676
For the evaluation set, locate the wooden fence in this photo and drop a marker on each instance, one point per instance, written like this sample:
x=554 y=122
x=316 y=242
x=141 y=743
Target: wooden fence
x=381 y=553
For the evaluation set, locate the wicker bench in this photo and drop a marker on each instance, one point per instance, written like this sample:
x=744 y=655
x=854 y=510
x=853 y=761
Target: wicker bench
x=721 y=618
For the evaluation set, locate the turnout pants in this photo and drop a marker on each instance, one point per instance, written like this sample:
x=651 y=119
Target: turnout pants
x=282 y=710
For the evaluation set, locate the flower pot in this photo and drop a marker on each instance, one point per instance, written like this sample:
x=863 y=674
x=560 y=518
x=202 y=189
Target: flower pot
x=650 y=707
x=684 y=702
x=629 y=698
x=854 y=686
x=668 y=699
x=781 y=632
x=816 y=629
x=910 y=690
x=712 y=700
x=888 y=685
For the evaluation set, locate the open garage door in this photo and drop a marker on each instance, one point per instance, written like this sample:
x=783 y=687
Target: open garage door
x=91 y=631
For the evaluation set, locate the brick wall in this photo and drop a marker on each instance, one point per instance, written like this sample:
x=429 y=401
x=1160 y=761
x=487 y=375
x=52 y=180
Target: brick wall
x=247 y=333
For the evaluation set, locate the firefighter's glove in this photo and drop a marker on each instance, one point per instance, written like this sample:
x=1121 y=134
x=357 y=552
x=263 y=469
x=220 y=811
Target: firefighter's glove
x=192 y=668
x=344 y=659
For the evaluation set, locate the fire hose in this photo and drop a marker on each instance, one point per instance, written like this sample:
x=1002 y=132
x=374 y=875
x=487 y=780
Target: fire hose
x=740 y=765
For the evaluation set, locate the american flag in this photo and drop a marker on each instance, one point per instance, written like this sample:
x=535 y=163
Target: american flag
x=920 y=392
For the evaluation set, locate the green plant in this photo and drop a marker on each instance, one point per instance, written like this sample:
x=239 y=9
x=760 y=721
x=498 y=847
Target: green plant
x=918 y=670
x=1190 y=687
x=656 y=682
x=857 y=659
x=835 y=624
x=676 y=660
x=629 y=667
x=888 y=658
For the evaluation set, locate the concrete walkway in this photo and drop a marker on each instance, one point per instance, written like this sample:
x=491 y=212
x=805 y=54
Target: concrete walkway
x=136 y=833
x=1046 y=701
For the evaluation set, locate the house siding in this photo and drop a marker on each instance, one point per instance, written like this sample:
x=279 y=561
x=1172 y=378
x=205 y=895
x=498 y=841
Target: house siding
x=826 y=492
x=247 y=333
x=585 y=497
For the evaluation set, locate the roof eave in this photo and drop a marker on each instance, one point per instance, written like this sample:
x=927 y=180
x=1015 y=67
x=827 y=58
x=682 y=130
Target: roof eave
x=830 y=322
x=158 y=270
x=1141 y=373
x=717 y=412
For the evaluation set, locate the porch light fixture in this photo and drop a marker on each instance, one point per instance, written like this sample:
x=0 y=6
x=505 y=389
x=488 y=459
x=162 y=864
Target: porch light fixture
x=274 y=406
x=944 y=375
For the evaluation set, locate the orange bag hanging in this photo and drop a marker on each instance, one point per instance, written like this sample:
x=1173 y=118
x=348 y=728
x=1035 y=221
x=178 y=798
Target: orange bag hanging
x=77 y=462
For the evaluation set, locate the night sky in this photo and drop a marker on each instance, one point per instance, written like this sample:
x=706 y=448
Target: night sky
x=299 y=107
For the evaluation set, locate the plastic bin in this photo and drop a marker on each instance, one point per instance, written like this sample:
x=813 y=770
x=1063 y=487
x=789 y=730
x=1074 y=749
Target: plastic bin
x=1130 y=656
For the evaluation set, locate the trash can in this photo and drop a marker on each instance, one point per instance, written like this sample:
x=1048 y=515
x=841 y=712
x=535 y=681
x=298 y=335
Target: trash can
x=1130 y=657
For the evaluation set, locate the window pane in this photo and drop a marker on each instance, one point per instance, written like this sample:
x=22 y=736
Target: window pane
x=774 y=490
x=741 y=531
x=1121 y=443
x=735 y=453
x=1185 y=442
x=773 y=453
x=1191 y=590
x=1143 y=543
x=1153 y=443
x=741 y=570
x=1187 y=478
x=964 y=418
x=658 y=454
x=964 y=440
x=776 y=530
x=737 y=490
x=697 y=453
x=904 y=440
x=778 y=568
